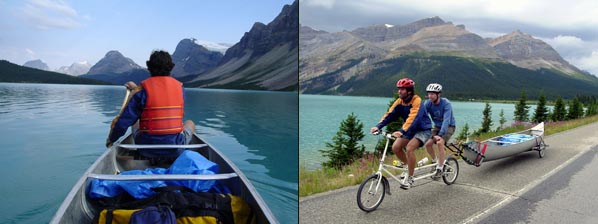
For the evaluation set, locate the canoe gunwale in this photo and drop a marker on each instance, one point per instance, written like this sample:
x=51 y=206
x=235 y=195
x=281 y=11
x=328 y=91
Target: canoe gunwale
x=221 y=176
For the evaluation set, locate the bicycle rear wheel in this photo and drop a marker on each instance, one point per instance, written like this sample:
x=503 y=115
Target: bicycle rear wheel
x=451 y=171
x=371 y=193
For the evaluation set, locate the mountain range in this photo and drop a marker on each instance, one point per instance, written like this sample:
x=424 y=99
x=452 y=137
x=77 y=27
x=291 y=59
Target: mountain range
x=10 y=72
x=429 y=50
x=265 y=58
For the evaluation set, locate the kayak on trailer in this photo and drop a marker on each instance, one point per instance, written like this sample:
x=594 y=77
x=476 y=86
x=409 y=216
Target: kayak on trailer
x=78 y=206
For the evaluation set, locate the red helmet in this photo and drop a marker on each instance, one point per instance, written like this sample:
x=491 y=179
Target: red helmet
x=405 y=83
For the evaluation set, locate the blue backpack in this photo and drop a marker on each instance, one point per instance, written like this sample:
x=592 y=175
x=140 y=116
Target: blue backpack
x=153 y=215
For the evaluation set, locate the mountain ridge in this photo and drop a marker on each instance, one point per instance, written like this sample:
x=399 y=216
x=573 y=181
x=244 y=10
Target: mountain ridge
x=329 y=59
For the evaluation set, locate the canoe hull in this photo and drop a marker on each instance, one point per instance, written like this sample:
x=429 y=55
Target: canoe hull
x=76 y=208
x=497 y=148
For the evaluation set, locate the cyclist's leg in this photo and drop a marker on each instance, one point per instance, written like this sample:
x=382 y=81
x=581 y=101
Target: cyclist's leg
x=397 y=148
x=430 y=144
x=440 y=144
x=413 y=144
x=430 y=148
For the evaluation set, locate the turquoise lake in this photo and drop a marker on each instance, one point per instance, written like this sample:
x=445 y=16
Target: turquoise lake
x=52 y=133
x=320 y=117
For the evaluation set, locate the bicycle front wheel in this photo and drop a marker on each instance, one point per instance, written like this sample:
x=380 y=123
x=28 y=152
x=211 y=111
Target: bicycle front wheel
x=371 y=193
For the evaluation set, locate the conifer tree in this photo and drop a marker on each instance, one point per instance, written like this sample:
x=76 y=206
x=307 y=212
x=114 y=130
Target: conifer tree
x=521 y=109
x=559 y=112
x=541 y=113
x=344 y=148
x=502 y=120
x=463 y=134
x=487 y=120
x=592 y=110
x=575 y=109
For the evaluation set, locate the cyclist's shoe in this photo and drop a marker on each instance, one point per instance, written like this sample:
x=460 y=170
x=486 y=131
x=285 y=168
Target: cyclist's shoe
x=399 y=164
x=437 y=174
x=403 y=175
x=407 y=183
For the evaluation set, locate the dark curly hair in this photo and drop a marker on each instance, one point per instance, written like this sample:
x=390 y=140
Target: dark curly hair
x=160 y=63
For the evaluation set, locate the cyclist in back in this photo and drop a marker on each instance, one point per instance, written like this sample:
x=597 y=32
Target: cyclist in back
x=444 y=124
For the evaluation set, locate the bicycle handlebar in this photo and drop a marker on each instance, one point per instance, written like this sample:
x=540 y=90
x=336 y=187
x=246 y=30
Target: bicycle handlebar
x=386 y=134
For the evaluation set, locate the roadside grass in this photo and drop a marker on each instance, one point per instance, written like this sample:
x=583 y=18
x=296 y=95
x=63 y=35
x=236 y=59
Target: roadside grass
x=327 y=179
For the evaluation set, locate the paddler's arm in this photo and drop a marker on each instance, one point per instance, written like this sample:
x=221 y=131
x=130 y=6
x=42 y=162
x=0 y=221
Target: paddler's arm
x=127 y=116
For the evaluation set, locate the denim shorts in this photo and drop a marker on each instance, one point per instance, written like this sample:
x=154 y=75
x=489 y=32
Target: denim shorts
x=422 y=136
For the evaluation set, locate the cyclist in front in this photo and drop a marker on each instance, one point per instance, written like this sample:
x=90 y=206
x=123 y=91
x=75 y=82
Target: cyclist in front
x=416 y=129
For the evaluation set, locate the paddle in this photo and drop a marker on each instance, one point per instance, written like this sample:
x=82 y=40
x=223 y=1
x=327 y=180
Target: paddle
x=122 y=107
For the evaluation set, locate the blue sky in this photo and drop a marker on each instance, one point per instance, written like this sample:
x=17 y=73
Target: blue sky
x=61 y=32
x=569 y=26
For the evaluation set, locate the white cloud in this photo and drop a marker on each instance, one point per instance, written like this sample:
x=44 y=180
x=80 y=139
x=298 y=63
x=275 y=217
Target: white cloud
x=30 y=53
x=47 y=14
x=571 y=41
x=541 y=13
x=328 y=4
x=588 y=63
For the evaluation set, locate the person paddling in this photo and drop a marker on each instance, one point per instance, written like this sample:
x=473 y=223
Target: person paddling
x=155 y=109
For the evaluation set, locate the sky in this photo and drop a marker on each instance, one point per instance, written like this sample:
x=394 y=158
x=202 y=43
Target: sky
x=61 y=32
x=569 y=26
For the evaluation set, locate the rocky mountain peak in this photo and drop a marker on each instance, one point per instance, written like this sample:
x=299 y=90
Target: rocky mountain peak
x=387 y=32
x=191 y=58
x=38 y=64
x=525 y=51
x=76 y=69
x=262 y=38
x=427 y=22
x=113 y=62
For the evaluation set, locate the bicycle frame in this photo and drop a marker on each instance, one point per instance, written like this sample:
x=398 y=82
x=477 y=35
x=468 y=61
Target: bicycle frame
x=374 y=187
x=383 y=167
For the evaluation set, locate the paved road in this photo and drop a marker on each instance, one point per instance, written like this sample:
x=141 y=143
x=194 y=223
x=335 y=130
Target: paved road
x=567 y=196
x=478 y=193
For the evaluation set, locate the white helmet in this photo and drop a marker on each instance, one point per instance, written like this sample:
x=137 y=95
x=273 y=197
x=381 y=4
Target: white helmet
x=434 y=87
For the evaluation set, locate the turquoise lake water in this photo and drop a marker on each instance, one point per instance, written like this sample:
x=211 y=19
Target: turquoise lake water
x=52 y=133
x=320 y=116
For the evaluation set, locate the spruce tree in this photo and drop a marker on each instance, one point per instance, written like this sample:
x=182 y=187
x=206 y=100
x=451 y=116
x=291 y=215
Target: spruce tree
x=521 y=109
x=463 y=134
x=592 y=110
x=575 y=109
x=559 y=111
x=541 y=113
x=487 y=120
x=502 y=120
x=344 y=148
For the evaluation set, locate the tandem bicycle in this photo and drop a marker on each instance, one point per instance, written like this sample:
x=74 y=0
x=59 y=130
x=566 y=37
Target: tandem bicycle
x=372 y=190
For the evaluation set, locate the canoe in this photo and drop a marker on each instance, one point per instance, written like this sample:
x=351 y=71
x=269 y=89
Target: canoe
x=77 y=208
x=505 y=145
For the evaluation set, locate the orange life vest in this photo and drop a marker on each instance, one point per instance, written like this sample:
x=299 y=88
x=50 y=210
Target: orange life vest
x=163 y=111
